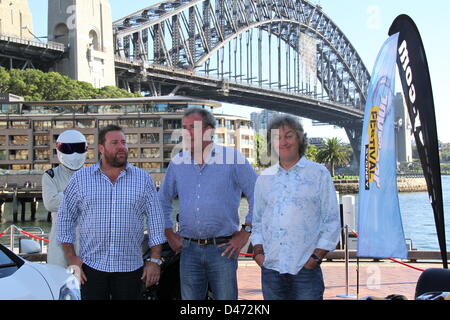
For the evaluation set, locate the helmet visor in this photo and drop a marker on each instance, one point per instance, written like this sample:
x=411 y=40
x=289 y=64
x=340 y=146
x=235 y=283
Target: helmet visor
x=71 y=148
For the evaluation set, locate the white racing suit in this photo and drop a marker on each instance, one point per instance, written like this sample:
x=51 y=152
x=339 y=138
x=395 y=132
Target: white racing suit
x=54 y=182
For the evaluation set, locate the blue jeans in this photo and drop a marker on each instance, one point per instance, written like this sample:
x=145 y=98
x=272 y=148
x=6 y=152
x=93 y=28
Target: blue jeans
x=306 y=285
x=201 y=266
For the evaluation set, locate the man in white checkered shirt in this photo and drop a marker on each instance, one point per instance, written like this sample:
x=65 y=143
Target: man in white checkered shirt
x=109 y=201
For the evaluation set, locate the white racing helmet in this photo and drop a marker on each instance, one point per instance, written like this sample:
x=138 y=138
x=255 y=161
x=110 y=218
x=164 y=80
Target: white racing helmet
x=72 y=147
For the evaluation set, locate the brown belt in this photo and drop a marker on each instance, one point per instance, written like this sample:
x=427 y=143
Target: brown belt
x=205 y=242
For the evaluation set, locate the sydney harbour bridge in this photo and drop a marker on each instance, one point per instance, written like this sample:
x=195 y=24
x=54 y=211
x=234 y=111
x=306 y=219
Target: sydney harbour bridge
x=282 y=55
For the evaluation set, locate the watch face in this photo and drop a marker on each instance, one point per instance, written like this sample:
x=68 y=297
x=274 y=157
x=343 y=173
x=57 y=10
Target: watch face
x=248 y=229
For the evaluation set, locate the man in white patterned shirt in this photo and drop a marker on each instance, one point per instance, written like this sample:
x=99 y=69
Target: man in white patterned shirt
x=295 y=219
x=109 y=201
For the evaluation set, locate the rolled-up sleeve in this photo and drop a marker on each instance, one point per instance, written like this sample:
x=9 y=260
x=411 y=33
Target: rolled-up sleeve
x=155 y=216
x=68 y=213
x=330 y=218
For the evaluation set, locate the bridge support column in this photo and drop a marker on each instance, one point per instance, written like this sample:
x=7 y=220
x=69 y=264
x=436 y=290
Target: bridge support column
x=33 y=205
x=354 y=136
x=23 y=204
x=15 y=207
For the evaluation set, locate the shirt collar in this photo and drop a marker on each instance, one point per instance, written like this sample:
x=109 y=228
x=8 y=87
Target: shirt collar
x=300 y=164
x=187 y=155
x=97 y=167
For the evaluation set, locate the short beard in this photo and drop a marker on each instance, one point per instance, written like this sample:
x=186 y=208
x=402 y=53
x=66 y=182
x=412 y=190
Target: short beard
x=114 y=161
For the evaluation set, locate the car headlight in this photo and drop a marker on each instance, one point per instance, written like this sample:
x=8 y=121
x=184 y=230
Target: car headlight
x=70 y=290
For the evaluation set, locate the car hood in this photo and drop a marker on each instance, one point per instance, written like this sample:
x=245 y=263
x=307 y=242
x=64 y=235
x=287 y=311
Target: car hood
x=55 y=276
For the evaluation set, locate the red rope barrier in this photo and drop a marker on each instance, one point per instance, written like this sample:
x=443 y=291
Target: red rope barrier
x=396 y=261
x=2 y=234
x=33 y=236
x=406 y=265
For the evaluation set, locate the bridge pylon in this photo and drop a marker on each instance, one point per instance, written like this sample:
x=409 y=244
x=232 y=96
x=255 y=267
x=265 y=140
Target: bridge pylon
x=85 y=28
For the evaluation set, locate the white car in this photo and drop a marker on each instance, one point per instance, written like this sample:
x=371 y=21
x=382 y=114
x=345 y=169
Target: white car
x=24 y=280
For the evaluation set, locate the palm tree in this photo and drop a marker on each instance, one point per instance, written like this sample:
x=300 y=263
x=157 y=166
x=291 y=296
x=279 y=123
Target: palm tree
x=333 y=154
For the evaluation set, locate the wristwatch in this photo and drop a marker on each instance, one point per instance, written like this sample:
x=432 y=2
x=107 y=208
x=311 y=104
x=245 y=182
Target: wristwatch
x=247 y=228
x=154 y=260
x=317 y=259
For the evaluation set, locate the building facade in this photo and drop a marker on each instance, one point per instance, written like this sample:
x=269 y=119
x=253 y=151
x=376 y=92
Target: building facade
x=28 y=132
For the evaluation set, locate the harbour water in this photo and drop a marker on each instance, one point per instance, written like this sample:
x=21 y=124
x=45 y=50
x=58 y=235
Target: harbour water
x=417 y=217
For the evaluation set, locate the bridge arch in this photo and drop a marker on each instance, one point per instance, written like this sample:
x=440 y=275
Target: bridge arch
x=197 y=29
x=188 y=36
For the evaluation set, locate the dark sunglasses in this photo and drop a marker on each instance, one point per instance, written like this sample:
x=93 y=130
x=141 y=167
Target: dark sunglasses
x=71 y=148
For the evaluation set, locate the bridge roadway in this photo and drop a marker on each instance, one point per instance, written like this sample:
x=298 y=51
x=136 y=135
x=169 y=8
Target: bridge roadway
x=178 y=81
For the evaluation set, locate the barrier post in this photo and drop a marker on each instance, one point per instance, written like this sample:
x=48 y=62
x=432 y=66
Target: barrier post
x=346 y=295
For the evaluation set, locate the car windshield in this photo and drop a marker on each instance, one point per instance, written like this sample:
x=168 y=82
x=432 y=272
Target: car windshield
x=5 y=261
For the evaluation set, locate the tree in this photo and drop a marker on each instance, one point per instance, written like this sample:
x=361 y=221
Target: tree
x=333 y=153
x=262 y=158
x=311 y=152
x=36 y=85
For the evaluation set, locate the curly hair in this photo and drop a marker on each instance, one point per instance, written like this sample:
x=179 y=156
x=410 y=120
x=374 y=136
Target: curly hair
x=294 y=124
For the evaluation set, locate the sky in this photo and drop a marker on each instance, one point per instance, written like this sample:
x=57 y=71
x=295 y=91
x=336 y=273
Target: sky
x=366 y=24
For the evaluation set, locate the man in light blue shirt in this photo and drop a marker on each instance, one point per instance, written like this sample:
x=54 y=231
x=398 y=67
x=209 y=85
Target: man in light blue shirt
x=209 y=181
x=296 y=217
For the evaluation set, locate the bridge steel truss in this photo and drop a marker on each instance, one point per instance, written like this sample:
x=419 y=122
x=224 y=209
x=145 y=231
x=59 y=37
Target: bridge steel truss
x=249 y=52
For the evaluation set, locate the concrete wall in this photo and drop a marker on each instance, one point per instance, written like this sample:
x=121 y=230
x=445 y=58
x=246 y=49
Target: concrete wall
x=16 y=19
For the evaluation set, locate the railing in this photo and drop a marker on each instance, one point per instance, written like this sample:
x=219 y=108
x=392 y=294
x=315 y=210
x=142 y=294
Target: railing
x=13 y=232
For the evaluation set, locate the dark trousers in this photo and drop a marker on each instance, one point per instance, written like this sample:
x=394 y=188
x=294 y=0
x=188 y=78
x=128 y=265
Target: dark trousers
x=112 y=285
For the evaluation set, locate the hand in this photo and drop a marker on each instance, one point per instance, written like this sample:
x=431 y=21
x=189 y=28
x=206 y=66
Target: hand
x=311 y=264
x=175 y=240
x=234 y=246
x=76 y=264
x=259 y=259
x=151 y=274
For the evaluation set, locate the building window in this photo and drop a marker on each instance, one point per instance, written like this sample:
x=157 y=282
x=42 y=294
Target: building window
x=172 y=124
x=43 y=154
x=231 y=139
x=3 y=124
x=129 y=123
x=19 y=140
x=41 y=141
x=18 y=154
x=133 y=153
x=229 y=124
x=246 y=140
x=150 y=138
x=2 y=140
x=20 y=124
x=132 y=138
x=63 y=124
x=85 y=123
x=248 y=153
x=172 y=138
x=2 y=155
x=105 y=123
x=151 y=165
x=150 y=123
x=90 y=138
x=150 y=153
x=220 y=138
x=42 y=166
x=20 y=167
x=91 y=154
x=42 y=125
